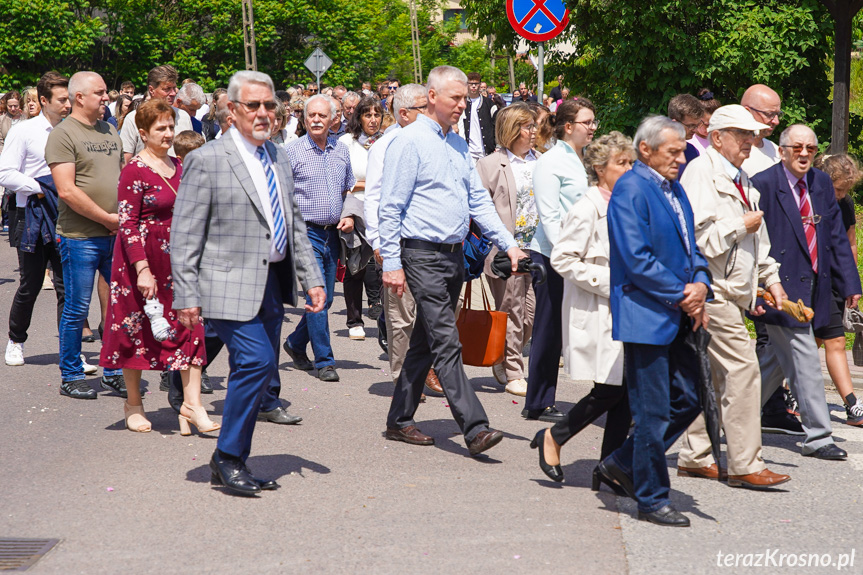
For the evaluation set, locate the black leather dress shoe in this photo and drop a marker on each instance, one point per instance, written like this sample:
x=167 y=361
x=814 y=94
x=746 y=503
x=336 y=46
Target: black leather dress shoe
x=554 y=472
x=831 y=452
x=279 y=415
x=667 y=516
x=233 y=475
x=206 y=386
x=265 y=484
x=328 y=373
x=300 y=359
x=549 y=414
x=484 y=441
x=610 y=474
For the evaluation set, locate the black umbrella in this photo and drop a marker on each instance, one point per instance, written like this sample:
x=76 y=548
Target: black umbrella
x=698 y=341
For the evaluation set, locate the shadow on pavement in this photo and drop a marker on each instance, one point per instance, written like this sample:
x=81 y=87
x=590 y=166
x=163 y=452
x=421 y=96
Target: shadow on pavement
x=268 y=466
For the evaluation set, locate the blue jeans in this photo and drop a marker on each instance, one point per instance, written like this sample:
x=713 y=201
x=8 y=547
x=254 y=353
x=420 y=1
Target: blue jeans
x=315 y=327
x=662 y=384
x=81 y=258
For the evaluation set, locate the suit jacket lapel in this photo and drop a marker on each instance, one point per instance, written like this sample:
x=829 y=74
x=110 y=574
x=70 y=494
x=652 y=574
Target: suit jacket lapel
x=509 y=176
x=785 y=195
x=644 y=172
x=238 y=166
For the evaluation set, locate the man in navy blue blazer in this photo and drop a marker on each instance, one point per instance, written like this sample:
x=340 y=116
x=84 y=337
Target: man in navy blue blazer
x=809 y=242
x=659 y=284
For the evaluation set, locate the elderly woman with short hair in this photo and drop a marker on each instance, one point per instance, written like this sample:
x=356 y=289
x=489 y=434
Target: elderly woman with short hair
x=507 y=174
x=581 y=257
x=364 y=129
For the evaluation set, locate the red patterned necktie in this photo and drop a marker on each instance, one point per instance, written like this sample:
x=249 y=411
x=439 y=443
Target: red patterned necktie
x=808 y=224
x=742 y=194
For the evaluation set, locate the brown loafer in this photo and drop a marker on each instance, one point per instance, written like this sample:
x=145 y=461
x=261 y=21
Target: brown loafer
x=433 y=383
x=764 y=479
x=484 y=440
x=409 y=434
x=709 y=472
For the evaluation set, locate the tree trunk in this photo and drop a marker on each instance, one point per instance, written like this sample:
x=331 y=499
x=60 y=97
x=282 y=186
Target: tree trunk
x=512 y=85
x=841 y=84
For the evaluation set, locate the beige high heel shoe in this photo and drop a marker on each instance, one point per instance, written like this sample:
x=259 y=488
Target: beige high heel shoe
x=135 y=418
x=199 y=419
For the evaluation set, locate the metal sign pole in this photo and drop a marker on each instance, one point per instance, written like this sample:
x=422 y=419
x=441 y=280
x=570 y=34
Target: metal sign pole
x=540 y=73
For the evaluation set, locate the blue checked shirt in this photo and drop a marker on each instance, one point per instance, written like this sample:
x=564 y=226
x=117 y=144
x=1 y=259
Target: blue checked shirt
x=665 y=186
x=431 y=192
x=321 y=178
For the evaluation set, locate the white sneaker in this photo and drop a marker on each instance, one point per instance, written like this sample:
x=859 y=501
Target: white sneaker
x=499 y=372
x=14 y=353
x=517 y=387
x=88 y=369
x=357 y=332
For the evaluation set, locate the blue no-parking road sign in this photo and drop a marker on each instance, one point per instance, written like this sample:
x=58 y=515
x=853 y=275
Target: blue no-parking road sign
x=537 y=20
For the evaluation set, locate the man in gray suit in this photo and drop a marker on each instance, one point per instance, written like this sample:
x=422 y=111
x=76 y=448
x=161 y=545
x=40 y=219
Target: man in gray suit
x=239 y=245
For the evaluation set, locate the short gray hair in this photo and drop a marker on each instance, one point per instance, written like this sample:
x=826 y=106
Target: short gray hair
x=189 y=92
x=243 y=77
x=442 y=74
x=784 y=137
x=351 y=96
x=330 y=102
x=80 y=82
x=652 y=128
x=407 y=96
x=600 y=151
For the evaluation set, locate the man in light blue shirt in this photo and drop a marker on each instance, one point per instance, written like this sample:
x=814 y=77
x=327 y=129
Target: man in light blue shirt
x=433 y=192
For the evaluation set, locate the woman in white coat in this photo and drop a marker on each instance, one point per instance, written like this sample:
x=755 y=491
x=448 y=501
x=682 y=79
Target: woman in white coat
x=581 y=257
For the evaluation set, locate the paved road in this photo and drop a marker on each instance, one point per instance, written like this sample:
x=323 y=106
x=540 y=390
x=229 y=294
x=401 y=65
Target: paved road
x=352 y=502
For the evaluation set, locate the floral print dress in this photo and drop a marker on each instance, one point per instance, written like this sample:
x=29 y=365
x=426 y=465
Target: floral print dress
x=146 y=206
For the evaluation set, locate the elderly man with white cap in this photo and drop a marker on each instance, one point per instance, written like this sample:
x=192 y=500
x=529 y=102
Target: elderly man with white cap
x=730 y=234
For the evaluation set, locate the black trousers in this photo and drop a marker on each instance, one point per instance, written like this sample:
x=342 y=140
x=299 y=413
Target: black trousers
x=31 y=271
x=775 y=404
x=547 y=340
x=603 y=398
x=370 y=277
x=435 y=280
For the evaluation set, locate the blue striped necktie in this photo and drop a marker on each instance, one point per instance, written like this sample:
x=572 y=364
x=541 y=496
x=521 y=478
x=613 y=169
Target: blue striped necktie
x=279 y=233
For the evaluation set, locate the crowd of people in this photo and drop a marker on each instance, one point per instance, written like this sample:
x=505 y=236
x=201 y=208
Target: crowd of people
x=197 y=217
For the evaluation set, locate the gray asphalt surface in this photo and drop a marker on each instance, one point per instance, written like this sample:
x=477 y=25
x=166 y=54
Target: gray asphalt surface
x=352 y=502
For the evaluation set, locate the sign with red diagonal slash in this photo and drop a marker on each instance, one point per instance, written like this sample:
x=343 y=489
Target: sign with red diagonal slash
x=537 y=20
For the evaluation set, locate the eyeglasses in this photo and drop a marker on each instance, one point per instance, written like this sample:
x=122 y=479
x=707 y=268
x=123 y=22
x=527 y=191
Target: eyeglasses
x=741 y=133
x=590 y=124
x=529 y=127
x=694 y=126
x=811 y=220
x=423 y=107
x=394 y=87
x=798 y=149
x=769 y=115
x=269 y=105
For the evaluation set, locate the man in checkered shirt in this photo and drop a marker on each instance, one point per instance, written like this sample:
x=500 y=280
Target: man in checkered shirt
x=322 y=176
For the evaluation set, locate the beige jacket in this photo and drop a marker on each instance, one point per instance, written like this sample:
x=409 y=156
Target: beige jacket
x=738 y=261
x=581 y=257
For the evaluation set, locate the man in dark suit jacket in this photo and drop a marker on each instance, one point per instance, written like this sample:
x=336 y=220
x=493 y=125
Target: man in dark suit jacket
x=809 y=242
x=478 y=120
x=659 y=284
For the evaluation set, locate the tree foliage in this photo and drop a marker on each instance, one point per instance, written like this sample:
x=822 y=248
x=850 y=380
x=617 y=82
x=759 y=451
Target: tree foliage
x=633 y=56
x=203 y=39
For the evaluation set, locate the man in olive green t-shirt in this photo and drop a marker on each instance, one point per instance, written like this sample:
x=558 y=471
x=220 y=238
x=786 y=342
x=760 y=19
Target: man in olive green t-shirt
x=85 y=156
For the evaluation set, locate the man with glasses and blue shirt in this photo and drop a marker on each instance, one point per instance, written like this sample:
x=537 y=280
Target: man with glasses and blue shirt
x=322 y=173
x=808 y=241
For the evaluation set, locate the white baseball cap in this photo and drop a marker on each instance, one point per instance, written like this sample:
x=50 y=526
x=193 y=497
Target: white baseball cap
x=734 y=116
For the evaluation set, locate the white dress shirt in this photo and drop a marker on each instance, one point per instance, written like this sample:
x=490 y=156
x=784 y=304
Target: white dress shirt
x=374 y=177
x=249 y=153
x=23 y=158
x=475 y=146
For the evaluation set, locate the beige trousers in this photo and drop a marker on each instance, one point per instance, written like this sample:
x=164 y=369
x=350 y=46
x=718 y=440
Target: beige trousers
x=737 y=380
x=515 y=297
x=400 y=314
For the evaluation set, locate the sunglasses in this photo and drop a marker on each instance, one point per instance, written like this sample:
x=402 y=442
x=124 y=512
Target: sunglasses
x=268 y=105
x=798 y=149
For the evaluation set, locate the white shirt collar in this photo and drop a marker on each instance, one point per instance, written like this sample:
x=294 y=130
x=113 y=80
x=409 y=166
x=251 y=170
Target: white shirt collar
x=513 y=159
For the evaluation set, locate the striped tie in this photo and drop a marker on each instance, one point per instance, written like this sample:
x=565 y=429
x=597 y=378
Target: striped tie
x=279 y=233
x=808 y=224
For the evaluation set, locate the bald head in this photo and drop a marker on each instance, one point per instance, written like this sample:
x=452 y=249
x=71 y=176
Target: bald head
x=765 y=105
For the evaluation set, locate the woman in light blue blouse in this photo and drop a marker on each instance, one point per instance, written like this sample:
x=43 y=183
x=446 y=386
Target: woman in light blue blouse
x=559 y=180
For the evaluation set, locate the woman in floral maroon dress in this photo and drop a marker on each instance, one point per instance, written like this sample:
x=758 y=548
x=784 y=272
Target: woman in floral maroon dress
x=141 y=271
